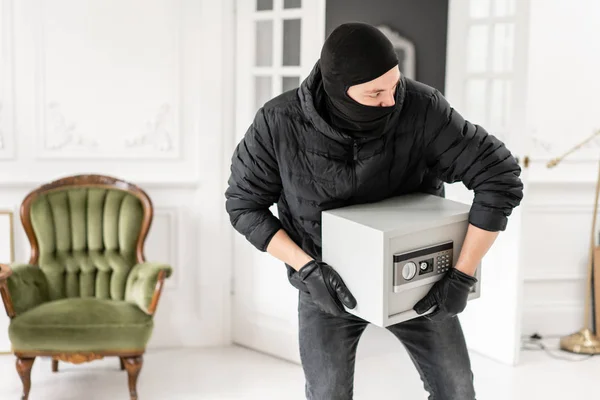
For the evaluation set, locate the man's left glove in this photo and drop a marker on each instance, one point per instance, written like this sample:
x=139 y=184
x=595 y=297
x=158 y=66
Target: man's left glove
x=326 y=287
x=449 y=294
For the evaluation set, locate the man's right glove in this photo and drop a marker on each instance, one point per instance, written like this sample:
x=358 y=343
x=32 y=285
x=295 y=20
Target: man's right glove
x=326 y=287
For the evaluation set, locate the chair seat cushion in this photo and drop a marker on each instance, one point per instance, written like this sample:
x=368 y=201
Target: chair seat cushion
x=81 y=324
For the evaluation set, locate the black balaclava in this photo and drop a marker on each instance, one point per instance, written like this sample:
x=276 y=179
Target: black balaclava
x=355 y=53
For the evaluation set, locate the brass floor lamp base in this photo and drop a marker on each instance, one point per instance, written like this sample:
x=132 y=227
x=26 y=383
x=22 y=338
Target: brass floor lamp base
x=582 y=342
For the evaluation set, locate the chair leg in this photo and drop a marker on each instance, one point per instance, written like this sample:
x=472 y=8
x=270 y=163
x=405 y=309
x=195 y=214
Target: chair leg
x=24 y=369
x=54 y=365
x=122 y=364
x=133 y=365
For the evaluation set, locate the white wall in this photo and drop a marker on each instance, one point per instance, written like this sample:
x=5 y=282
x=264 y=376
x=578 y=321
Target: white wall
x=564 y=108
x=138 y=89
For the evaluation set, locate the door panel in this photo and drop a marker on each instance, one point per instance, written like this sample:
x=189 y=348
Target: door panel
x=278 y=42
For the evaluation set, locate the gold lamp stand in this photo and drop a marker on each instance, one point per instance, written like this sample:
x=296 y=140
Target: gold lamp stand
x=585 y=341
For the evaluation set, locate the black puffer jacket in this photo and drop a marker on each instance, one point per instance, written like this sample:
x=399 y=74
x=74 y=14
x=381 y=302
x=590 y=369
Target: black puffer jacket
x=292 y=157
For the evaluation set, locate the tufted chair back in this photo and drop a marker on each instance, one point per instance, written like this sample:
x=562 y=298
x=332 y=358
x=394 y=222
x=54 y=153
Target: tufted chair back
x=86 y=234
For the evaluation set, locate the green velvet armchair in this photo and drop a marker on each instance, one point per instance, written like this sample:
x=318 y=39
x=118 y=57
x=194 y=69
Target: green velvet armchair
x=87 y=291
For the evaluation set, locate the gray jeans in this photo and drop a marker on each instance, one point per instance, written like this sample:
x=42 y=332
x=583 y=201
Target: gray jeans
x=328 y=349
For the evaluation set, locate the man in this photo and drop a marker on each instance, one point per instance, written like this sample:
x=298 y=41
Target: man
x=358 y=131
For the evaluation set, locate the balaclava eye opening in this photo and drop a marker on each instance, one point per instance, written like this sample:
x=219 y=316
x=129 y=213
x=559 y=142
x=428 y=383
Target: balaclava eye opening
x=355 y=53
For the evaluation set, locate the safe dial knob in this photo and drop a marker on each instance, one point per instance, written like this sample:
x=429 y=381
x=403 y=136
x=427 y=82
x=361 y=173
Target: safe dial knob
x=409 y=270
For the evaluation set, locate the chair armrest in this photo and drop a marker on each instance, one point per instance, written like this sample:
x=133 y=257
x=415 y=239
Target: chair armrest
x=144 y=285
x=5 y=273
x=23 y=287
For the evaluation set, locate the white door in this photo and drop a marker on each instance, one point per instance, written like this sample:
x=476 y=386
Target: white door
x=278 y=43
x=486 y=82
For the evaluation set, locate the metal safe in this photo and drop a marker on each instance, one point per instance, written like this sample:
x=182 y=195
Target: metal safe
x=390 y=253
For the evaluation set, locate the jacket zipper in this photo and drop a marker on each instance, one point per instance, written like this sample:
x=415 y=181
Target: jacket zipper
x=354 y=158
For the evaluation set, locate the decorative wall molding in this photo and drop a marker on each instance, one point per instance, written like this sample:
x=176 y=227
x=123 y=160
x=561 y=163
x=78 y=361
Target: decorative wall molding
x=2 y=133
x=156 y=184
x=7 y=119
x=61 y=133
x=540 y=208
x=554 y=305
x=569 y=174
x=61 y=137
x=542 y=145
x=547 y=277
x=156 y=133
x=545 y=148
x=538 y=274
x=172 y=235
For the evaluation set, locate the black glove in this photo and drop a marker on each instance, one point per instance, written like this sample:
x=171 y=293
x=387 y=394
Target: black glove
x=326 y=287
x=449 y=294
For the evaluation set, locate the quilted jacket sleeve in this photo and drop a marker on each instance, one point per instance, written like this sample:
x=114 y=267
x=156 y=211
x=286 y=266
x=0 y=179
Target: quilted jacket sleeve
x=457 y=150
x=254 y=185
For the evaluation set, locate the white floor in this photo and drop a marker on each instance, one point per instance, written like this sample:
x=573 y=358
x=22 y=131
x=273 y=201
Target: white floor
x=237 y=373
